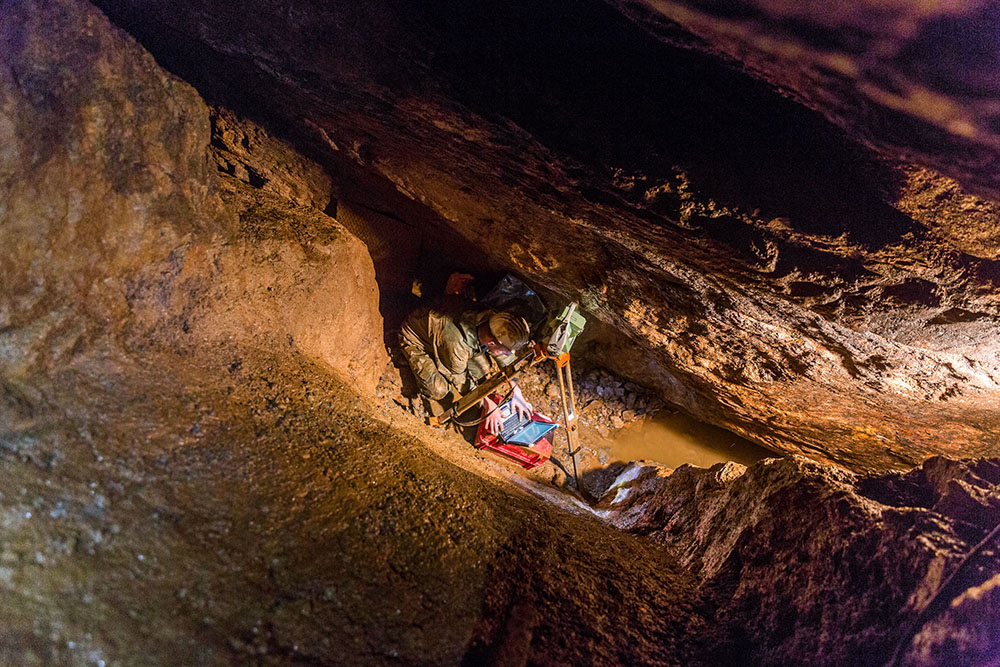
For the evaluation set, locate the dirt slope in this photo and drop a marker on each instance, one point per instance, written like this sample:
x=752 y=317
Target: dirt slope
x=160 y=516
x=196 y=468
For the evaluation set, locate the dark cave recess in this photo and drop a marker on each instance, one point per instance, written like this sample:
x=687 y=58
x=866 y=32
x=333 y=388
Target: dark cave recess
x=757 y=254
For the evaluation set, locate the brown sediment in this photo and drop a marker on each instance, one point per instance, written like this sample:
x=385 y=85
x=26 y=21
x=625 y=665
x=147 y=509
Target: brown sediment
x=207 y=456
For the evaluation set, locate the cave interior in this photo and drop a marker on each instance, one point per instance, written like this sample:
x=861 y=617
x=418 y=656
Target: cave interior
x=782 y=223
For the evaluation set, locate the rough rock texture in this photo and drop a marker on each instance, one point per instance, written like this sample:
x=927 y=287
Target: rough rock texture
x=291 y=277
x=193 y=471
x=968 y=628
x=103 y=169
x=919 y=79
x=245 y=151
x=191 y=467
x=781 y=547
x=767 y=270
x=113 y=230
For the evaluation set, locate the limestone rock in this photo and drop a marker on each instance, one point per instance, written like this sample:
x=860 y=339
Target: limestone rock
x=247 y=152
x=776 y=542
x=112 y=229
x=778 y=268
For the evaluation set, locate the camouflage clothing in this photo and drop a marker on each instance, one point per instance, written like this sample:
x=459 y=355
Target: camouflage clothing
x=444 y=351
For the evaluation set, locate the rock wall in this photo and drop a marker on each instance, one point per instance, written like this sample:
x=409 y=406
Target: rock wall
x=183 y=482
x=244 y=150
x=116 y=234
x=805 y=563
x=771 y=272
x=909 y=78
x=191 y=468
x=103 y=171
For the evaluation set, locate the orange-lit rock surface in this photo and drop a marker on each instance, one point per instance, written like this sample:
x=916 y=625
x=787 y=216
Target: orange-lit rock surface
x=804 y=278
x=798 y=560
x=196 y=466
x=115 y=235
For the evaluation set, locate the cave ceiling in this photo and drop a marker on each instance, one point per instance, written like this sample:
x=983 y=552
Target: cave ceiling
x=918 y=80
x=788 y=210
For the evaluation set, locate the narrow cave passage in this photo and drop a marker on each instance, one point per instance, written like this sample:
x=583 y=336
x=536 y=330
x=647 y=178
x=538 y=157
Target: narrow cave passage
x=414 y=252
x=213 y=221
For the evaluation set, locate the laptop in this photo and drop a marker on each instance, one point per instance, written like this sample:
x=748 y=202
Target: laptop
x=523 y=431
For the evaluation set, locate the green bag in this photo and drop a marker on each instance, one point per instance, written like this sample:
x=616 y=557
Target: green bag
x=565 y=329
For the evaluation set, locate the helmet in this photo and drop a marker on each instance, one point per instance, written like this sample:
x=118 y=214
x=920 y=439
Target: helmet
x=510 y=330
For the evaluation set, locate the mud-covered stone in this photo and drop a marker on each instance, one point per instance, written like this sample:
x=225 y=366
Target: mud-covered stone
x=113 y=229
x=781 y=546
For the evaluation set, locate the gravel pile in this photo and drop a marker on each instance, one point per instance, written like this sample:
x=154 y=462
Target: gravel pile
x=605 y=401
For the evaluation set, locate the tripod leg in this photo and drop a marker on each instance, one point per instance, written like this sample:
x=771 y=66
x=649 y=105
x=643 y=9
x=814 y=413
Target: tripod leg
x=569 y=411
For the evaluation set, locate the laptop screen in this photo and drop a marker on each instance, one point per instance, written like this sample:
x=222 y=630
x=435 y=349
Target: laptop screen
x=532 y=433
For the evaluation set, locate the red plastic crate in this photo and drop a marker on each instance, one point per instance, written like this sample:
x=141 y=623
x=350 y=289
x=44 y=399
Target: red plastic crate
x=526 y=457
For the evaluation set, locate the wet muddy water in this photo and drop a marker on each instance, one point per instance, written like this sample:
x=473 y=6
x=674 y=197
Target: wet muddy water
x=676 y=439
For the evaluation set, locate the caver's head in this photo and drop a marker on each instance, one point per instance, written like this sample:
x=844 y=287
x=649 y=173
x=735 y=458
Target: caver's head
x=503 y=333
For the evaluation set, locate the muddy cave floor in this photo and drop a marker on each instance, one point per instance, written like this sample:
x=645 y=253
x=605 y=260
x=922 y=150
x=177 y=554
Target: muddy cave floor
x=236 y=505
x=619 y=422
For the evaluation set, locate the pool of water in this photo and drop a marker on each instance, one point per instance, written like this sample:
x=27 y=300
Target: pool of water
x=676 y=439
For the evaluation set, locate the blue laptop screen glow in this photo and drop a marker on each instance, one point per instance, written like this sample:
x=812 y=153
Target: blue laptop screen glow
x=532 y=433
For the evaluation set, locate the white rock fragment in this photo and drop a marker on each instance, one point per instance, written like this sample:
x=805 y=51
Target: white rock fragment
x=623 y=493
